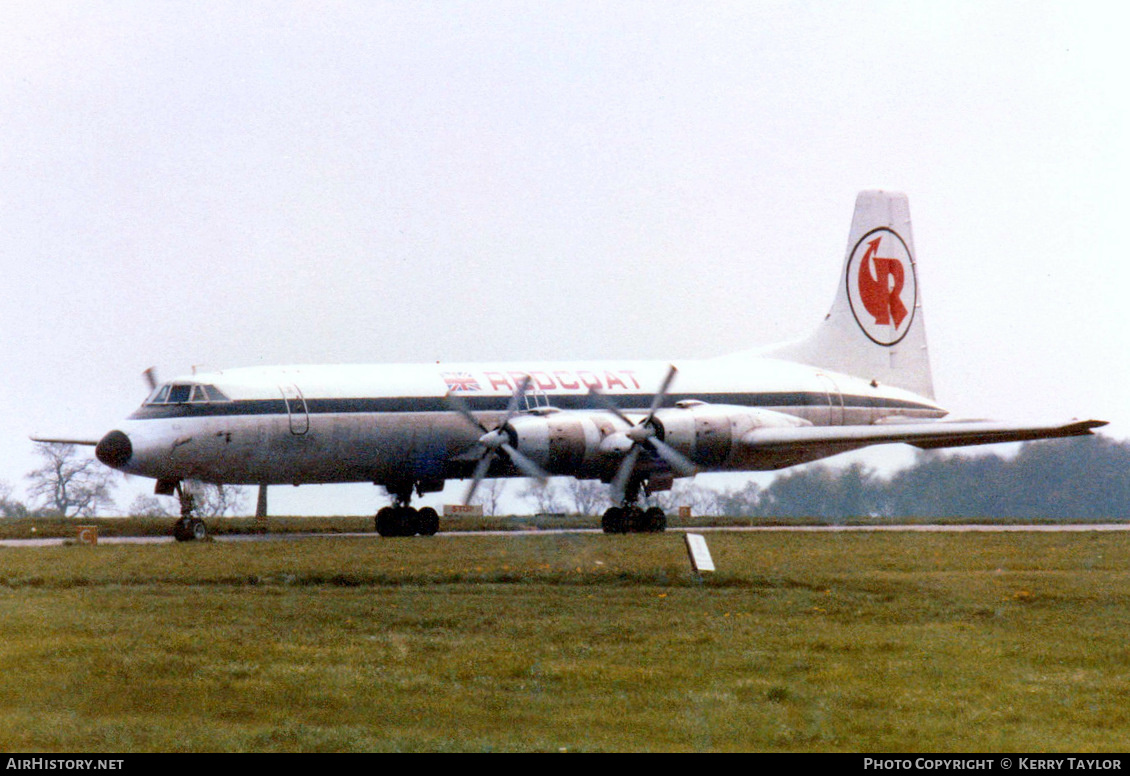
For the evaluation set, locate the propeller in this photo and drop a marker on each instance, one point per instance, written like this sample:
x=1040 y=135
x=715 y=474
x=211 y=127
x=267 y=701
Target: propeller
x=151 y=378
x=497 y=439
x=641 y=434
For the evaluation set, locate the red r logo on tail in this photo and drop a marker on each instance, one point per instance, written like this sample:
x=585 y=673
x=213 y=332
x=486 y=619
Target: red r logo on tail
x=882 y=289
x=881 y=293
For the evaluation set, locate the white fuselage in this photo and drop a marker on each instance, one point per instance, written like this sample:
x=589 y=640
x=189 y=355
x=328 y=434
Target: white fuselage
x=396 y=423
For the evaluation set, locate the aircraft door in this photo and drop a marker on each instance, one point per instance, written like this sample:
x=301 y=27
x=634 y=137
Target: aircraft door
x=835 y=400
x=296 y=410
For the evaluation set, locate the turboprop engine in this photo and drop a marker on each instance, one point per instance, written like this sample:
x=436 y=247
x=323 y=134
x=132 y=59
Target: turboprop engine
x=706 y=433
x=608 y=444
x=691 y=437
x=565 y=442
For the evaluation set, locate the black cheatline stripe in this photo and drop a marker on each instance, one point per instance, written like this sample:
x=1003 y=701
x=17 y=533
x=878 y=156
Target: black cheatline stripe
x=627 y=402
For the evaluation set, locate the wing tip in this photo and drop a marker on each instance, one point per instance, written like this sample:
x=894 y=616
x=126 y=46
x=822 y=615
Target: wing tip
x=60 y=441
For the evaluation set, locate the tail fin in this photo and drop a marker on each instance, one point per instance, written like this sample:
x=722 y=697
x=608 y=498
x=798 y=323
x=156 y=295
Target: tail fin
x=875 y=329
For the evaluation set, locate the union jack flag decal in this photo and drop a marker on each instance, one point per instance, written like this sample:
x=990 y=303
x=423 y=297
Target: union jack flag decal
x=459 y=382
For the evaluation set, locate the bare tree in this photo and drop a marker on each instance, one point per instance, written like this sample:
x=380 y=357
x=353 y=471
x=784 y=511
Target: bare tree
x=218 y=500
x=546 y=498
x=589 y=497
x=489 y=495
x=701 y=500
x=148 y=506
x=10 y=507
x=70 y=484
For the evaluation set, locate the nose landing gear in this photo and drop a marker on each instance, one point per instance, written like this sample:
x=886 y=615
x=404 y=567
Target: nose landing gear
x=189 y=528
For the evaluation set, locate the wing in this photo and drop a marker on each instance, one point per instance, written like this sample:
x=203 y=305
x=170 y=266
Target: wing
x=53 y=441
x=927 y=436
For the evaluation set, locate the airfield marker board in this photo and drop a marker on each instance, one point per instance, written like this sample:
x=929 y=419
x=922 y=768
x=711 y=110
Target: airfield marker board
x=699 y=553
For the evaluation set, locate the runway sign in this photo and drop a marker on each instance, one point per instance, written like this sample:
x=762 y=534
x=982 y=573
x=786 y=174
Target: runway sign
x=462 y=510
x=699 y=553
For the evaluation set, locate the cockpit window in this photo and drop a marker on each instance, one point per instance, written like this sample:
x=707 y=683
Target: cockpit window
x=214 y=393
x=179 y=393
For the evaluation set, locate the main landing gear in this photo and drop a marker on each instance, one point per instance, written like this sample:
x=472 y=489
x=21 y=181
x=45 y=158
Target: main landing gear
x=629 y=517
x=406 y=521
x=403 y=520
x=634 y=519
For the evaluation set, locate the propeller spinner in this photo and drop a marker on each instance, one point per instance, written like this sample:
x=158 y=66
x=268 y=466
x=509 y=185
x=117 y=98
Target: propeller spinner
x=496 y=439
x=643 y=434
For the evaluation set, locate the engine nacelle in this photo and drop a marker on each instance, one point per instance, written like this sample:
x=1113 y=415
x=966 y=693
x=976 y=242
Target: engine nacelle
x=706 y=433
x=565 y=442
x=587 y=443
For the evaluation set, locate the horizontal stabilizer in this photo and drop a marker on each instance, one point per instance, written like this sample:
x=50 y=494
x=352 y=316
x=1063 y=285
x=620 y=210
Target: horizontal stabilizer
x=927 y=436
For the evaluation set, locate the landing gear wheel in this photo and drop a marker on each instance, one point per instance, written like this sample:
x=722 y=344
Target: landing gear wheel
x=181 y=530
x=386 y=522
x=429 y=521
x=613 y=521
x=409 y=521
x=189 y=529
x=634 y=520
x=654 y=520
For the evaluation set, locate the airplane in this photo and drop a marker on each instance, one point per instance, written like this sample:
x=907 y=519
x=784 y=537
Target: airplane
x=861 y=378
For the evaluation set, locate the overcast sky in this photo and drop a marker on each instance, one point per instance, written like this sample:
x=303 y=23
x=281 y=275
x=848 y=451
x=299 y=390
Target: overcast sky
x=247 y=183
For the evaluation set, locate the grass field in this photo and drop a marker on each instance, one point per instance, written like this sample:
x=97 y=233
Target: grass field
x=801 y=642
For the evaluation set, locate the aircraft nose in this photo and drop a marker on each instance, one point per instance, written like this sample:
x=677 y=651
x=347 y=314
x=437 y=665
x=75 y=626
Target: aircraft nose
x=114 y=450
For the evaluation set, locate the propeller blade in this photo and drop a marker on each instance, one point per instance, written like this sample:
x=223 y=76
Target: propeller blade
x=497 y=439
x=512 y=407
x=528 y=467
x=661 y=394
x=673 y=457
x=644 y=433
x=609 y=405
x=480 y=472
x=461 y=407
x=627 y=466
x=151 y=378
